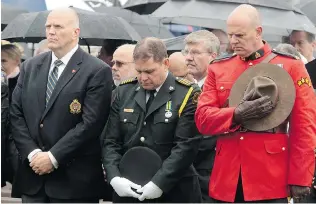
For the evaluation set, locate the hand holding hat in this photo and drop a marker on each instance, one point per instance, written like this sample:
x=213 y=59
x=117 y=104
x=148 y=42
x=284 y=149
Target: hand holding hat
x=123 y=187
x=149 y=191
x=252 y=109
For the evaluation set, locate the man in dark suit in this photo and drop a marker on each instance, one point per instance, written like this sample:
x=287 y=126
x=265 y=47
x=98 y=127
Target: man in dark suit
x=156 y=111
x=59 y=107
x=202 y=47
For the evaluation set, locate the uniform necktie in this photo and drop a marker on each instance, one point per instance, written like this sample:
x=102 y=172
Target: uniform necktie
x=151 y=98
x=52 y=80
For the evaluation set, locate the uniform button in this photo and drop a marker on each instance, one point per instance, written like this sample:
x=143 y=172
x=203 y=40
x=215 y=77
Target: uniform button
x=144 y=123
x=166 y=120
x=215 y=148
x=221 y=88
x=41 y=125
x=125 y=120
x=283 y=148
x=142 y=139
x=241 y=138
x=250 y=64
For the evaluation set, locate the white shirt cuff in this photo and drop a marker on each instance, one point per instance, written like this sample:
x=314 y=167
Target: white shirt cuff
x=53 y=160
x=30 y=156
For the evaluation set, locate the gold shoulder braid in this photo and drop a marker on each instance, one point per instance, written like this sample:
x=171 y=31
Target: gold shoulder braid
x=127 y=81
x=184 y=81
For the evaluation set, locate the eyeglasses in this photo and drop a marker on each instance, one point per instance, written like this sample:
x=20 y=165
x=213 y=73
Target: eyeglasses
x=119 y=63
x=193 y=53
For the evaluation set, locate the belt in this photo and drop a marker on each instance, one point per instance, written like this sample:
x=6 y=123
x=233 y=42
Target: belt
x=281 y=129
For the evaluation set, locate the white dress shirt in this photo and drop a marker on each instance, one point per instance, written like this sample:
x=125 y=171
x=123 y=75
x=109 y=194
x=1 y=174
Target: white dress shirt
x=201 y=82
x=65 y=59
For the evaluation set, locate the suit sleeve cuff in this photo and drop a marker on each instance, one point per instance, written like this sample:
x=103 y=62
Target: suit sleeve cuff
x=30 y=156
x=53 y=160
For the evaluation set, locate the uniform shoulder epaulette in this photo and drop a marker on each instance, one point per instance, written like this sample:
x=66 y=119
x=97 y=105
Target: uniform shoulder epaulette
x=184 y=81
x=224 y=57
x=285 y=54
x=128 y=81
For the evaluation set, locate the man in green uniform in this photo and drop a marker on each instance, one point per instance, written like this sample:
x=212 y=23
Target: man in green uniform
x=155 y=110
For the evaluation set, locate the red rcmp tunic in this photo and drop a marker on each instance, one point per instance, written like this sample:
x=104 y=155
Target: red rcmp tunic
x=268 y=162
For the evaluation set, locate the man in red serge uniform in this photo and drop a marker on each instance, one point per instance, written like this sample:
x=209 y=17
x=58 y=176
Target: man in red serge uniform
x=252 y=165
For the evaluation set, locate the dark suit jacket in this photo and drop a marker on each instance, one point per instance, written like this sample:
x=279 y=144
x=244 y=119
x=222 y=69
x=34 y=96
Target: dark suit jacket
x=175 y=140
x=73 y=138
x=311 y=68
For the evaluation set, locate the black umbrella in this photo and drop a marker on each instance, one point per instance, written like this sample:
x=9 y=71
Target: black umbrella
x=308 y=7
x=145 y=26
x=143 y=6
x=8 y=13
x=94 y=28
x=277 y=18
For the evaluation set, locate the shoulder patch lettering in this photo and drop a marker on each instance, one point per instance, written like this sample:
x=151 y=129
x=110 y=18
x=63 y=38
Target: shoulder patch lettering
x=184 y=81
x=285 y=54
x=127 y=81
x=224 y=57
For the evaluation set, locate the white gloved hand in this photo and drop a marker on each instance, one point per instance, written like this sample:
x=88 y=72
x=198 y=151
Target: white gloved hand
x=123 y=187
x=149 y=191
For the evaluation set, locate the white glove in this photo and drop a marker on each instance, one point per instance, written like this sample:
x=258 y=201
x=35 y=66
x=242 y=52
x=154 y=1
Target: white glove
x=150 y=191
x=123 y=187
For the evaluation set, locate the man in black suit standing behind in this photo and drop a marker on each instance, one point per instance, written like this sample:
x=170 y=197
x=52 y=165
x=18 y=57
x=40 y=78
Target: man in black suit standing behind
x=59 y=107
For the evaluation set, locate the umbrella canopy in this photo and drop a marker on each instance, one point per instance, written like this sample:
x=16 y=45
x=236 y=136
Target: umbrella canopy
x=8 y=13
x=145 y=26
x=94 y=28
x=43 y=5
x=278 y=19
x=143 y=6
x=175 y=43
x=308 y=7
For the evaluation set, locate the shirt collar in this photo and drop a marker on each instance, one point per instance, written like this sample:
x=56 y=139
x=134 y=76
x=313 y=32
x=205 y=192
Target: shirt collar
x=157 y=89
x=201 y=82
x=15 y=73
x=65 y=59
x=258 y=54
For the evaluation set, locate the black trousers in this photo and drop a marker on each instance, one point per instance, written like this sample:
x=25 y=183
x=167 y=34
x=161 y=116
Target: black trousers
x=204 y=179
x=41 y=197
x=239 y=198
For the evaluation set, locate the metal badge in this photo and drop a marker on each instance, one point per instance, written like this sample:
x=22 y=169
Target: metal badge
x=168 y=114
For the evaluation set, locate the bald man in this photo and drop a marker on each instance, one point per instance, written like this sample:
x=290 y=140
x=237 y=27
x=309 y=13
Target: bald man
x=123 y=64
x=256 y=166
x=59 y=107
x=178 y=66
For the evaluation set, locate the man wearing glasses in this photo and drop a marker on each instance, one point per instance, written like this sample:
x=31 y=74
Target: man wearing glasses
x=123 y=65
x=202 y=47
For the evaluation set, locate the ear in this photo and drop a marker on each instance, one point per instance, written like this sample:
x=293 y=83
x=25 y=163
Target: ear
x=314 y=45
x=212 y=57
x=166 y=62
x=259 y=31
x=77 y=32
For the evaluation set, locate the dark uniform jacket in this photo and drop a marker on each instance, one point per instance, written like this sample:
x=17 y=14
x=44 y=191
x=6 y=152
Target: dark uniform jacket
x=69 y=127
x=175 y=139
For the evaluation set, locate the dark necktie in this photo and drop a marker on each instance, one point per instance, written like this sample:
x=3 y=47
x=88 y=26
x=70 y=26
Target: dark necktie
x=52 y=80
x=151 y=98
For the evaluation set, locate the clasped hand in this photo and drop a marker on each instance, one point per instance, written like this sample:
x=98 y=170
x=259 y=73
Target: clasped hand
x=41 y=163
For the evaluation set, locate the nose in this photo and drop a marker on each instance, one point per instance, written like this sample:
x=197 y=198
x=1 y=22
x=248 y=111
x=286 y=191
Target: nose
x=143 y=76
x=188 y=57
x=114 y=67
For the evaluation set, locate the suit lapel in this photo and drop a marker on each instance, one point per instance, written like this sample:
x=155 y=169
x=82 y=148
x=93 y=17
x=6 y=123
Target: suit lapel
x=69 y=72
x=41 y=80
x=140 y=97
x=163 y=96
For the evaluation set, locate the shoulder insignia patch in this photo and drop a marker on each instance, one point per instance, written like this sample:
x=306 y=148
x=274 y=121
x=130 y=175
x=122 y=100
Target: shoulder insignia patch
x=127 y=81
x=224 y=57
x=195 y=98
x=285 y=54
x=184 y=81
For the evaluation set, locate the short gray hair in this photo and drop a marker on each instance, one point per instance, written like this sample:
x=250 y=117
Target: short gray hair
x=210 y=40
x=150 y=48
x=288 y=49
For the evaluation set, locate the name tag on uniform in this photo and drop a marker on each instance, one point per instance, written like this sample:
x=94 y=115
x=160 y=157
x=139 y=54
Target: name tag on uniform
x=128 y=110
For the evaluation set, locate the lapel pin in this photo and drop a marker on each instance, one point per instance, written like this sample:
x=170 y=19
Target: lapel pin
x=73 y=71
x=171 y=88
x=137 y=89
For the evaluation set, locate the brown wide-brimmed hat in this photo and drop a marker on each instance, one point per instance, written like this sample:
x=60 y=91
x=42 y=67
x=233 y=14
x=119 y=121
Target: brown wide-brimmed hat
x=265 y=79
